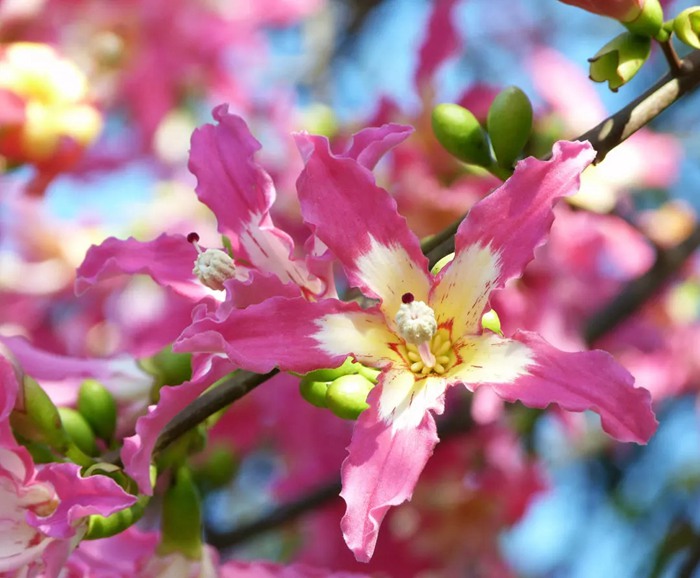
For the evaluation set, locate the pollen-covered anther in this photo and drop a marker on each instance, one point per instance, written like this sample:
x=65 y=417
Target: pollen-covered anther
x=213 y=266
x=440 y=348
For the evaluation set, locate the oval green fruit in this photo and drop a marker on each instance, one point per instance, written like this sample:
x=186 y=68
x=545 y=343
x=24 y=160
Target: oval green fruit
x=460 y=133
x=314 y=391
x=509 y=124
x=347 y=395
x=79 y=430
x=98 y=407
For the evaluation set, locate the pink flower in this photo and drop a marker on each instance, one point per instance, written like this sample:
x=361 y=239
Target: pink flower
x=43 y=511
x=425 y=331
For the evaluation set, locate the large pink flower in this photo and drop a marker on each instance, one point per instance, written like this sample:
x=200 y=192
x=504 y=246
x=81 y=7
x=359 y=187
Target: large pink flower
x=425 y=331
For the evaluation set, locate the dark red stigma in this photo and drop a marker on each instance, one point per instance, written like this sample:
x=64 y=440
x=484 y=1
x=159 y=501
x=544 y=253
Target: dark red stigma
x=407 y=298
x=193 y=238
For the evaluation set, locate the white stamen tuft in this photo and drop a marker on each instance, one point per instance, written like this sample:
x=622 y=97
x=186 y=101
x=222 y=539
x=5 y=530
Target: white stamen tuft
x=213 y=267
x=415 y=322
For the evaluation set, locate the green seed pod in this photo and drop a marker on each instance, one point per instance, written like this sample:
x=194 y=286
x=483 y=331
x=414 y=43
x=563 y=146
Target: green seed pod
x=314 y=391
x=460 y=133
x=492 y=322
x=441 y=263
x=97 y=406
x=347 y=395
x=107 y=526
x=36 y=418
x=181 y=520
x=687 y=26
x=620 y=59
x=349 y=366
x=79 y=430
x=509 y=124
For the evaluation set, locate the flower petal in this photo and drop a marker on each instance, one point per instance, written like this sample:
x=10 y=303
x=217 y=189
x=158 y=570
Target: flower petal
x=137 y=450
x=279 y=332
x=370 y=144
x=462 y=289
x=240 y=193
x=381 y=470
x=78 y=497
x=404 y=401
x=579 y=381
x=359 y=223
x=363 y=334
x=516 y=217
x=168 y=260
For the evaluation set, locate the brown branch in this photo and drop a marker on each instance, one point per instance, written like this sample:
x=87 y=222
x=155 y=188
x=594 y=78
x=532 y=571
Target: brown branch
x=207 y=404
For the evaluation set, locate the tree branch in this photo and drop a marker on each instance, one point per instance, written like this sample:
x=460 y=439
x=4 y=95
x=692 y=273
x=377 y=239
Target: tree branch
x=241 y=383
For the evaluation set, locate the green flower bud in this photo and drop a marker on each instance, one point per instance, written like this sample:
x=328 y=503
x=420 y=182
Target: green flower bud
x=347 y=395
x=79 y=430
x=460 y=133
x=620 y=59
x=649 y=21
x=181 y=520
x=36 y=418
x=349 y=366
x=687 y=26
x=492 y=322
x=509 y=124
x=314 y=391
x=106 y=526
x=97 y=405
x=441 y=263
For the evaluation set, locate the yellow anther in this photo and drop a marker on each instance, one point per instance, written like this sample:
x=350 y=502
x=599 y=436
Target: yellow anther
x=442 y=359
x=439 y=368
x=417 y=366
x=443 y=348
x=413 y=355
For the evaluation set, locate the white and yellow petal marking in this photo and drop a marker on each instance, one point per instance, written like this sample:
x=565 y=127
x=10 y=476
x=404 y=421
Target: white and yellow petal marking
x=364 y=334
x=489 y=359
x=389 y=272
x=462 y=292
x=404 y=399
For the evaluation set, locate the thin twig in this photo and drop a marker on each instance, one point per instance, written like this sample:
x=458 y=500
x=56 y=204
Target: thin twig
x=241 y=383
x=674 y=62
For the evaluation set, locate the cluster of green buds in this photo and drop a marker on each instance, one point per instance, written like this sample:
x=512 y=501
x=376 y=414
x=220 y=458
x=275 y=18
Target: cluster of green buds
x=343 y=390
x=496 y=148
x=621 y=58
x=50 y=432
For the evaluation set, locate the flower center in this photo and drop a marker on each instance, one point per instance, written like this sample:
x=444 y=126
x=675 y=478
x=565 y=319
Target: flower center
x=427 y=349
x=213 y=266
x=441 y=352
